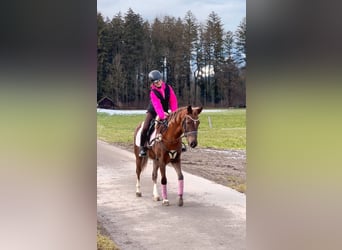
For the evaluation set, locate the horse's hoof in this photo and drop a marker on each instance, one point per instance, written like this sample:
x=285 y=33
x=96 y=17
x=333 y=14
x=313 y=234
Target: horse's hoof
x=166 y=202
x=156 y=198
x=180 y=202
x=138 y=194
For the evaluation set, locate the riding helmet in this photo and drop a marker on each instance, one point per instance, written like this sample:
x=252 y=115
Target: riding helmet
x=154 y=75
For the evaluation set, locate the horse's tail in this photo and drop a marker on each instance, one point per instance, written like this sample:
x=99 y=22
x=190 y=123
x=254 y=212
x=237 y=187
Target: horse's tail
x=141 y=162
x=135 y=135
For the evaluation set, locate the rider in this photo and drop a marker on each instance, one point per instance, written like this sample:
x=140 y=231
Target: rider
x=162 y=98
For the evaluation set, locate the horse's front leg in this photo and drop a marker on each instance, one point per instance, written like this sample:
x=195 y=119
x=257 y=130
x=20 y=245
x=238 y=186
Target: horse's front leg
x=154 y=179
x=177 y=166
x=164 y=184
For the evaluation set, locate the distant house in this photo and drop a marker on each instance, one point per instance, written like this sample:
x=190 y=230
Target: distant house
x=105 y=103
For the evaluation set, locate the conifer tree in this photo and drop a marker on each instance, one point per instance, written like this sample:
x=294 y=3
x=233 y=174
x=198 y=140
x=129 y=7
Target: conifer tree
x=240 y=35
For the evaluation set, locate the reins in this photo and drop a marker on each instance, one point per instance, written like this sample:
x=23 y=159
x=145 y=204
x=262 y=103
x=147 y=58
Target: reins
x=164 y=123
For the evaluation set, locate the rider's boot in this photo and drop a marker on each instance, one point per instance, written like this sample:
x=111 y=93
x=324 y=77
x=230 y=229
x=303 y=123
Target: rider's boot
x=142 y=152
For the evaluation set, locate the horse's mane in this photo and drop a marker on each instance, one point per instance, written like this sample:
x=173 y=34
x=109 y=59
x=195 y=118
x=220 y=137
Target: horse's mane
x=175 y=116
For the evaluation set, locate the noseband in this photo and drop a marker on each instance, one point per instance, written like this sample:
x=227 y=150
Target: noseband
x=186 y=133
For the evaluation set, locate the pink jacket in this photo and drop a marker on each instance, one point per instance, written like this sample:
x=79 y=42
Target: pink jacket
x=173 y=103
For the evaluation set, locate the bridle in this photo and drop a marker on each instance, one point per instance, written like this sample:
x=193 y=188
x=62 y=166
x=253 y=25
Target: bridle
x=186 y=133
x=184 y=126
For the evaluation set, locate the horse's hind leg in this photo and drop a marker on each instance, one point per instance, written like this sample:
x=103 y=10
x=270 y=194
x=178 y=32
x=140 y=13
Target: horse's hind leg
x=156 y=196
x=138 y=172
x=178 y=169
x=140 y=164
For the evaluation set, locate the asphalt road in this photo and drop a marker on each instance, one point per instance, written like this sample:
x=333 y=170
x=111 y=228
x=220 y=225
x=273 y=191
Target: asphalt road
x=212 y=217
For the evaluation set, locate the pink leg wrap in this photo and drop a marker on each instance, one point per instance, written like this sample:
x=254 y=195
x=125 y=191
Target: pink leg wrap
x=164 y=192
x=180 y=187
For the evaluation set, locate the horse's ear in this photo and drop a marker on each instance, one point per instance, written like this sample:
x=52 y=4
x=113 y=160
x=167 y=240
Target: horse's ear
x=189 y=109
x=199 y=110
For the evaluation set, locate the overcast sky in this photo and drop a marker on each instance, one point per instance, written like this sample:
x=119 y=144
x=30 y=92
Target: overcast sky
x=231 y=12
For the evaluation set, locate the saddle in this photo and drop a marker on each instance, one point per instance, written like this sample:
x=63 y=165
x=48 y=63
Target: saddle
x=151 y=133
x=149 y=136
x=150 y=130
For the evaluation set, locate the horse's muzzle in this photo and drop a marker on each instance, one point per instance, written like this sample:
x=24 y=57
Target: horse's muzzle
x=193 y=144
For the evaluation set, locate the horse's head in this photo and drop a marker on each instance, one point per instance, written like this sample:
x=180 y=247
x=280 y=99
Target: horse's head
x=190 y=125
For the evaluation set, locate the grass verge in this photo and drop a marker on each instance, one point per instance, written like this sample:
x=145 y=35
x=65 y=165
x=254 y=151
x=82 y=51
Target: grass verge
x=103 y=240
x=237 y=184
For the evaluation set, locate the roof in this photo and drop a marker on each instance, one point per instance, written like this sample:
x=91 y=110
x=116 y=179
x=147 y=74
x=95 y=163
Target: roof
x=104 y=98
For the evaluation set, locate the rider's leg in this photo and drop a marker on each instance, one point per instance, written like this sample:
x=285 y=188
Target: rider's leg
x=143 y=138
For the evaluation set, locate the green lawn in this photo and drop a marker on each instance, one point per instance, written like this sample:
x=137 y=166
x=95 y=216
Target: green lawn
x=227 y=130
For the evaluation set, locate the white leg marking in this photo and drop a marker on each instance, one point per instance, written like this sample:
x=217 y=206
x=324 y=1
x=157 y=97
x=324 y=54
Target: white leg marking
x=155 y=193
x=138 y=187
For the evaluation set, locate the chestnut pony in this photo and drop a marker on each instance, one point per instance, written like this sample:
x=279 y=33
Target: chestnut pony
x=166 y=148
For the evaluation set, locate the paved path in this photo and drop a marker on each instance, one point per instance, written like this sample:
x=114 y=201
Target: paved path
x=213 y=216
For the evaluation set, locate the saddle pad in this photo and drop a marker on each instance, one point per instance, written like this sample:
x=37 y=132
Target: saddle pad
x=138 y=136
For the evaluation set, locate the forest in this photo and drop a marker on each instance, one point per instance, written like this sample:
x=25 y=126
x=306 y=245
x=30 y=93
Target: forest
x=203 y=63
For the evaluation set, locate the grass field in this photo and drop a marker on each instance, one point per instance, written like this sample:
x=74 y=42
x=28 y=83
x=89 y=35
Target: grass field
x=225 y=129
